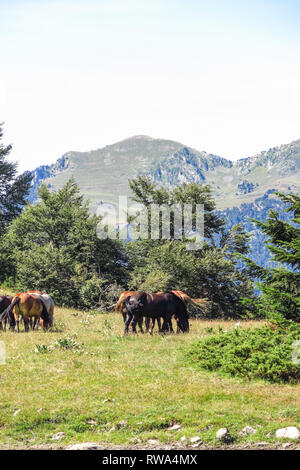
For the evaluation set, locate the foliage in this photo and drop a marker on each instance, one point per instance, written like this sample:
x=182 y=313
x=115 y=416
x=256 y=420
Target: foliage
x=213 y=271
x=53 y=246
x=261 y=353
x=280 y=286
x=13 y=189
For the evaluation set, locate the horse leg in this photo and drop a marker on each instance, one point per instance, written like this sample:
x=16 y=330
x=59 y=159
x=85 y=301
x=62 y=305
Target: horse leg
x=140 y=323
x=151 y=322
x=35 y=323
x=158 y=323
x=147 y=324
x=127 y=323
x=165 y=326
x=26 y=324
x=134 y=322
x=170 y=326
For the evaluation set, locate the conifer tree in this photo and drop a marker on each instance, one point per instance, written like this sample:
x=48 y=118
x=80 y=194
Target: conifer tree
x=280 y=286
x=13 y=188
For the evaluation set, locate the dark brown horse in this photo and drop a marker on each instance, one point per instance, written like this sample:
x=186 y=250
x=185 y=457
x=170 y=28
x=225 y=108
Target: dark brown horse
x=120 y=307
x=5 y=301
x=154 y=306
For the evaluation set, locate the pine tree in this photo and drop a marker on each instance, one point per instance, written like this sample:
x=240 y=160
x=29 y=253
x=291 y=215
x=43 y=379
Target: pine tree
x=212 y=271
x=280 y=286
x=53 y=246
x=13 y=189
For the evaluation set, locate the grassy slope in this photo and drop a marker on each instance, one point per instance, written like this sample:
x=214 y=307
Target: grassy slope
x=141 y=380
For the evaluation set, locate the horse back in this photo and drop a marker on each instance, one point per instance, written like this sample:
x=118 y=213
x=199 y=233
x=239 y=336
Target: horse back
x=28 y=306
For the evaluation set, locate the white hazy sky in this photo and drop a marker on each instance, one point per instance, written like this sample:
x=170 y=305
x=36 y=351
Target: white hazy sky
x=218 y=75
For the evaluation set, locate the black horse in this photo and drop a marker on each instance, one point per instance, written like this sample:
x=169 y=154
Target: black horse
x=5 y=301
x=155 y=306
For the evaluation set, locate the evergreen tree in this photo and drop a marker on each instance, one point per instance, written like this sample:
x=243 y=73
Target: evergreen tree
x=53 y=246
x=280 y=286
x=13 y=188
x=211 y=271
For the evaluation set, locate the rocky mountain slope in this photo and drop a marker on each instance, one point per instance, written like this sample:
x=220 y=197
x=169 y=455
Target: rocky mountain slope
x=242 y=189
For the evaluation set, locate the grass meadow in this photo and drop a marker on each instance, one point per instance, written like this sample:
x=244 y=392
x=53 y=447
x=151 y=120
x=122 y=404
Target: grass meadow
x=87 y=380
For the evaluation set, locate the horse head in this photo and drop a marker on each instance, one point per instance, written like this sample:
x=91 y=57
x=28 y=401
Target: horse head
x=133 y=304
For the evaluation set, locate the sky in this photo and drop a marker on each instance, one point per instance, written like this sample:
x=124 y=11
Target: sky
x=221 y=75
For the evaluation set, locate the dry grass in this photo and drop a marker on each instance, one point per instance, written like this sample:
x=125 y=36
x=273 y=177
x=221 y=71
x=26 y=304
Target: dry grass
x=120 y=390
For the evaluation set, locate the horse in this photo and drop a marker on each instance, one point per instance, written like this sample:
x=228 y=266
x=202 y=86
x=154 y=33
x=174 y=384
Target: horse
x=120 y=307
x=155 y=306
x=32 y=322
x=185 y=298
x=5 y=301
x=48 y=303
x=26 y=306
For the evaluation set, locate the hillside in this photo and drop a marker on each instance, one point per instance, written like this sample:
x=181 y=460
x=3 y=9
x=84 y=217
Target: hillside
x=103 y=174
x=242 y=189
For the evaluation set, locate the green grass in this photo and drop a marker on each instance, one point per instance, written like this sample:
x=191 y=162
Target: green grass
x=85 y=379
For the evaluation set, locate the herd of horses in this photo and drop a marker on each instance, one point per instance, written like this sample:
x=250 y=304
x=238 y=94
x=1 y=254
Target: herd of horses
x=160 y=307
x=35 y=308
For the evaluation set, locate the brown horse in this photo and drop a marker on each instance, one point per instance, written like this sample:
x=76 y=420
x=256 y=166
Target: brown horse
x=120 y=307
x=33 y=322
x=25 y=306
x=185 y=298
x=154 y=306
x=5 y=301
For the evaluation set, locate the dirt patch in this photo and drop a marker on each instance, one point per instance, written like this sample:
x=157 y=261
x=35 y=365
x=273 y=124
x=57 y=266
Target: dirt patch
x=173 y=446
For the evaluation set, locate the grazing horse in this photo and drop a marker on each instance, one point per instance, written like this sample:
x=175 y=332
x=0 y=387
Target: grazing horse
x=5 y=301
x=164 y=305
x=185 y=298
x=26 y=306
x=48 y=303
x=121 y=307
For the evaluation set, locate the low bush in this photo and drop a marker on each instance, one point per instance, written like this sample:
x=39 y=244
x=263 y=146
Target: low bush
x=267 y=353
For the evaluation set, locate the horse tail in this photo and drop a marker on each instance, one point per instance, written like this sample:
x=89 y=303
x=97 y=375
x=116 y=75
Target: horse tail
x=198 y=302
x=8 y=311
x=118 y=306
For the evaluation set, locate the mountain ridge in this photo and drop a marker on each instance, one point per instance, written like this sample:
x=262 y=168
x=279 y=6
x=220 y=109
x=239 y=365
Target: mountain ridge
x=103 y=173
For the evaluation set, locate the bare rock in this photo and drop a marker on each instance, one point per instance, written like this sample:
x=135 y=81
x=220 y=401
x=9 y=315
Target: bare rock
x=195 y=439
x=58 y=436
x=224 y=435
x=198 y=444
x=153 y=442
x=248 y=430
x=85 y=446
x=175 y=427
x=290 y=432
x=286 y=445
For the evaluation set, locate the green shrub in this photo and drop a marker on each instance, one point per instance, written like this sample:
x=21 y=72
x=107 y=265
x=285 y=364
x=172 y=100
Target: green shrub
x=260 y=353
x=67 y=342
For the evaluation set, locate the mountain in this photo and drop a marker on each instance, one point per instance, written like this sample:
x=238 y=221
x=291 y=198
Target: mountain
x=242 y=189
